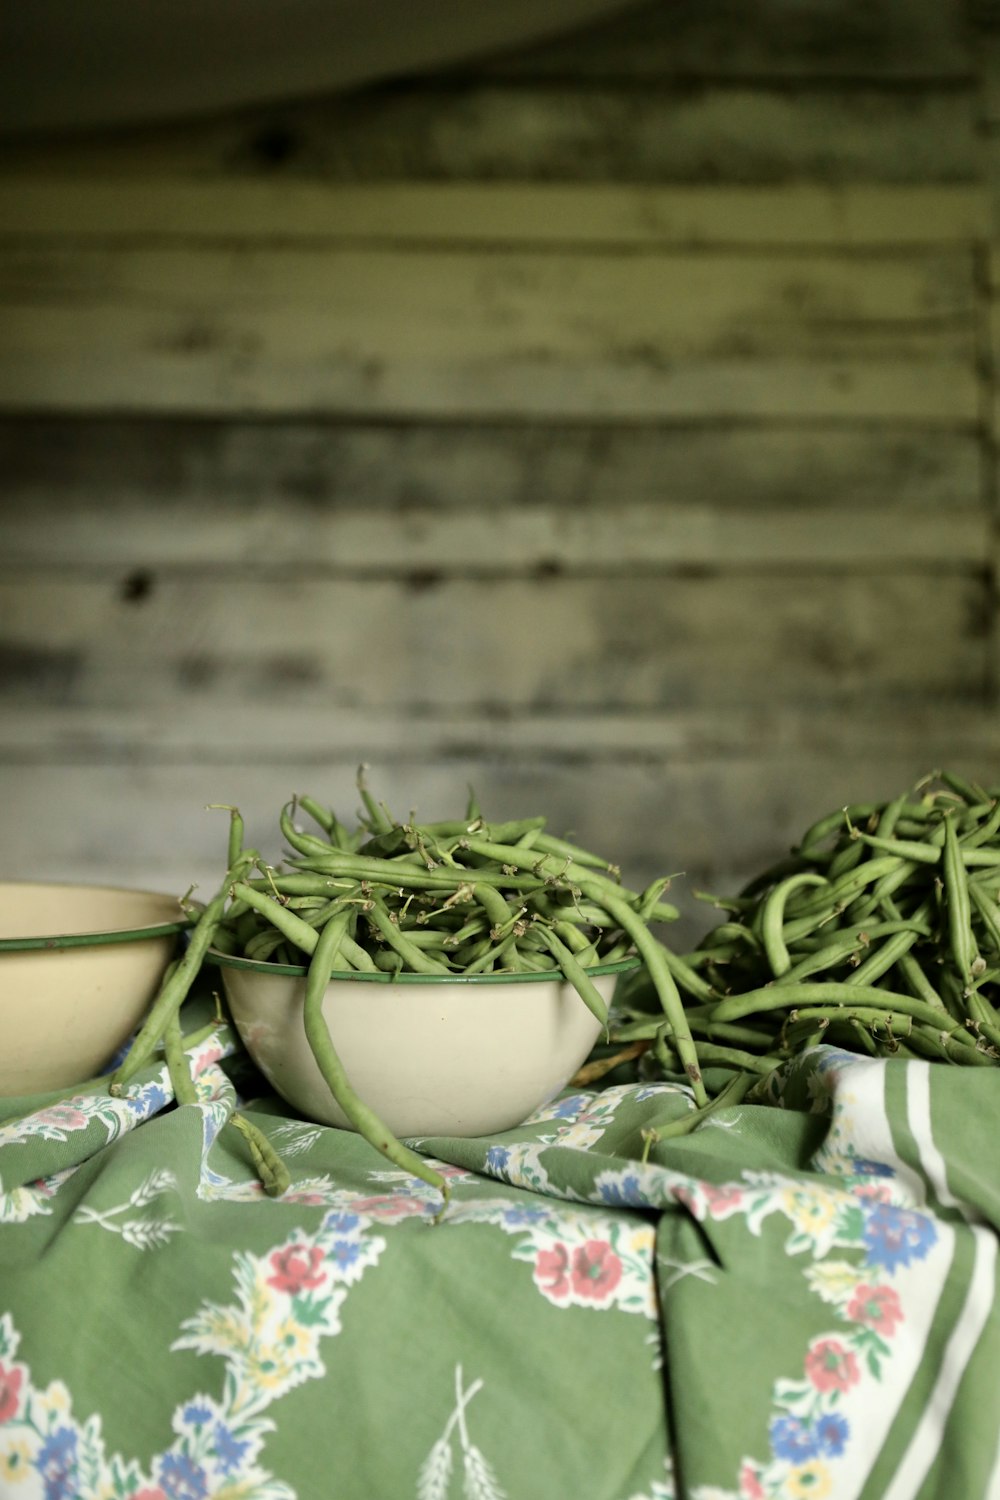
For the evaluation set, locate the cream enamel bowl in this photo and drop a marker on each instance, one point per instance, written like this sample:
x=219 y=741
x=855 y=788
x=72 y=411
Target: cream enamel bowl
x=430 y=1056
x=79 y=965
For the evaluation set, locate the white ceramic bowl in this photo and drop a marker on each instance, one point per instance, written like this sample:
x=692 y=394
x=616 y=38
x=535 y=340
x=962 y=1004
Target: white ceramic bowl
x=79 y=965
x=430 y=1056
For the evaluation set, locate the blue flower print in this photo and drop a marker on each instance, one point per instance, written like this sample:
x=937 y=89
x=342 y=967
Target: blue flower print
x=181 y=1478
x=863 y=1166
x=520 y=1218
x=570 y=1107
x=624 y=1192
x=196 y=1415
x=56 y=1463
x=341 y=1223
x=497 y=1158
x=230 y=1450
x=832 y=1433
x=897 y=1236
x=150 y=1099
x=345 y=1252
x=793 y=1439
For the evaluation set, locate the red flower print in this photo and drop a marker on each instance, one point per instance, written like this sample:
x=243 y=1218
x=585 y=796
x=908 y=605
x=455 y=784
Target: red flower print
x=831 y=1367
x=156 y=1494
x=296 y=1268
x=64 y=1117
x=10 y=1387
x=552 y=1272
x=596 y=1271
x=873 y=1192
x=721 y=1199
x=750 y=1486
x=878 y=1306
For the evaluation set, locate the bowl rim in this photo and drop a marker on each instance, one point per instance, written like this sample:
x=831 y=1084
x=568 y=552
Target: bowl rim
x=221 y=960
x=53 y=942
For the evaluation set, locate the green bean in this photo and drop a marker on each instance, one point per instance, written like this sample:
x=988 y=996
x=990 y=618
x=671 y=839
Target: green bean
x=957 y=902
x=382 y=872
x=846 y=858
x=235 y=830
x=304 y=843
x=712 y=1055
x=985 y=831
x=732 y=933
x=271 y=1170
x=818 y=834
x=850 y=885
x=989 y=913
x=287 y=923
x=654 y=956
x=884 y=957
x=174 y=990
x=381 y=822
x=553 y=867
x=177 y=1063
x=578 y=977
x=968 y=790
x=734 y=1093
x=831 y=994
x=364 y=1120
x=921 y=853
x=413 y=957
x=773 y=915
x=549 y=845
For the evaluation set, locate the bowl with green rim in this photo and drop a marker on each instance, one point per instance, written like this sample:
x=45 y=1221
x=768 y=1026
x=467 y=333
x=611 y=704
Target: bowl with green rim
x=449 y=1055
x=79 y=965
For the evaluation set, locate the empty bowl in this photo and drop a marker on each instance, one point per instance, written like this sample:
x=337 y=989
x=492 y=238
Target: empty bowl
x=79 y=965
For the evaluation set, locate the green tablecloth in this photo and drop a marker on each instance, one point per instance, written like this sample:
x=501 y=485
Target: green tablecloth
x=794 y=1300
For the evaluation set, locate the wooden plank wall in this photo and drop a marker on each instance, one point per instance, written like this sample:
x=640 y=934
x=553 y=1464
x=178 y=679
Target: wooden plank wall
x=610 y=426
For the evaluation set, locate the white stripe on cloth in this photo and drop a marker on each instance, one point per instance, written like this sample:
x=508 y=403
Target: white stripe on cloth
x=926 y=1440
x=918 y=1117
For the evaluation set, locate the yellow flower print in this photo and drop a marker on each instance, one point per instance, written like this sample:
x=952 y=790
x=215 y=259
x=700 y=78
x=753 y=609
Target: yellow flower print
x=810 y=1481
x=266 y=1374
x=811 y=1210
x=56 y=1398
x=15 y=1462
x=293 y=1342
x=833 y=1280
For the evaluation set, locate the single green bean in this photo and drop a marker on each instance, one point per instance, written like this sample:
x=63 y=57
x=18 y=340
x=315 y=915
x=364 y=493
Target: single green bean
x=174 y=990
x=364 y=1120
x=653 y=953
x=380 y=819
x=178 y=1068
x=577 y=977
x=271 y=1171
x=773 y=916
x=833 y=995
x=734 y=1093
x=958 y=904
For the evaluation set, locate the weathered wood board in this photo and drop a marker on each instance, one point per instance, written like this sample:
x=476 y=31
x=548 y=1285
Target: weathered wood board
x=449 y=332
x=52 y=208
x=597 y=641
x=141 y=495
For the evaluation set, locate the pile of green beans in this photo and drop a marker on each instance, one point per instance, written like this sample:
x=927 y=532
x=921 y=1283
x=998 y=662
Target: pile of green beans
x=393 y=897
x=880 y=933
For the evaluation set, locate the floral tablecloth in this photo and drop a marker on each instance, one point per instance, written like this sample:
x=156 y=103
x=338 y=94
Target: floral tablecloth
x=796 y=1299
